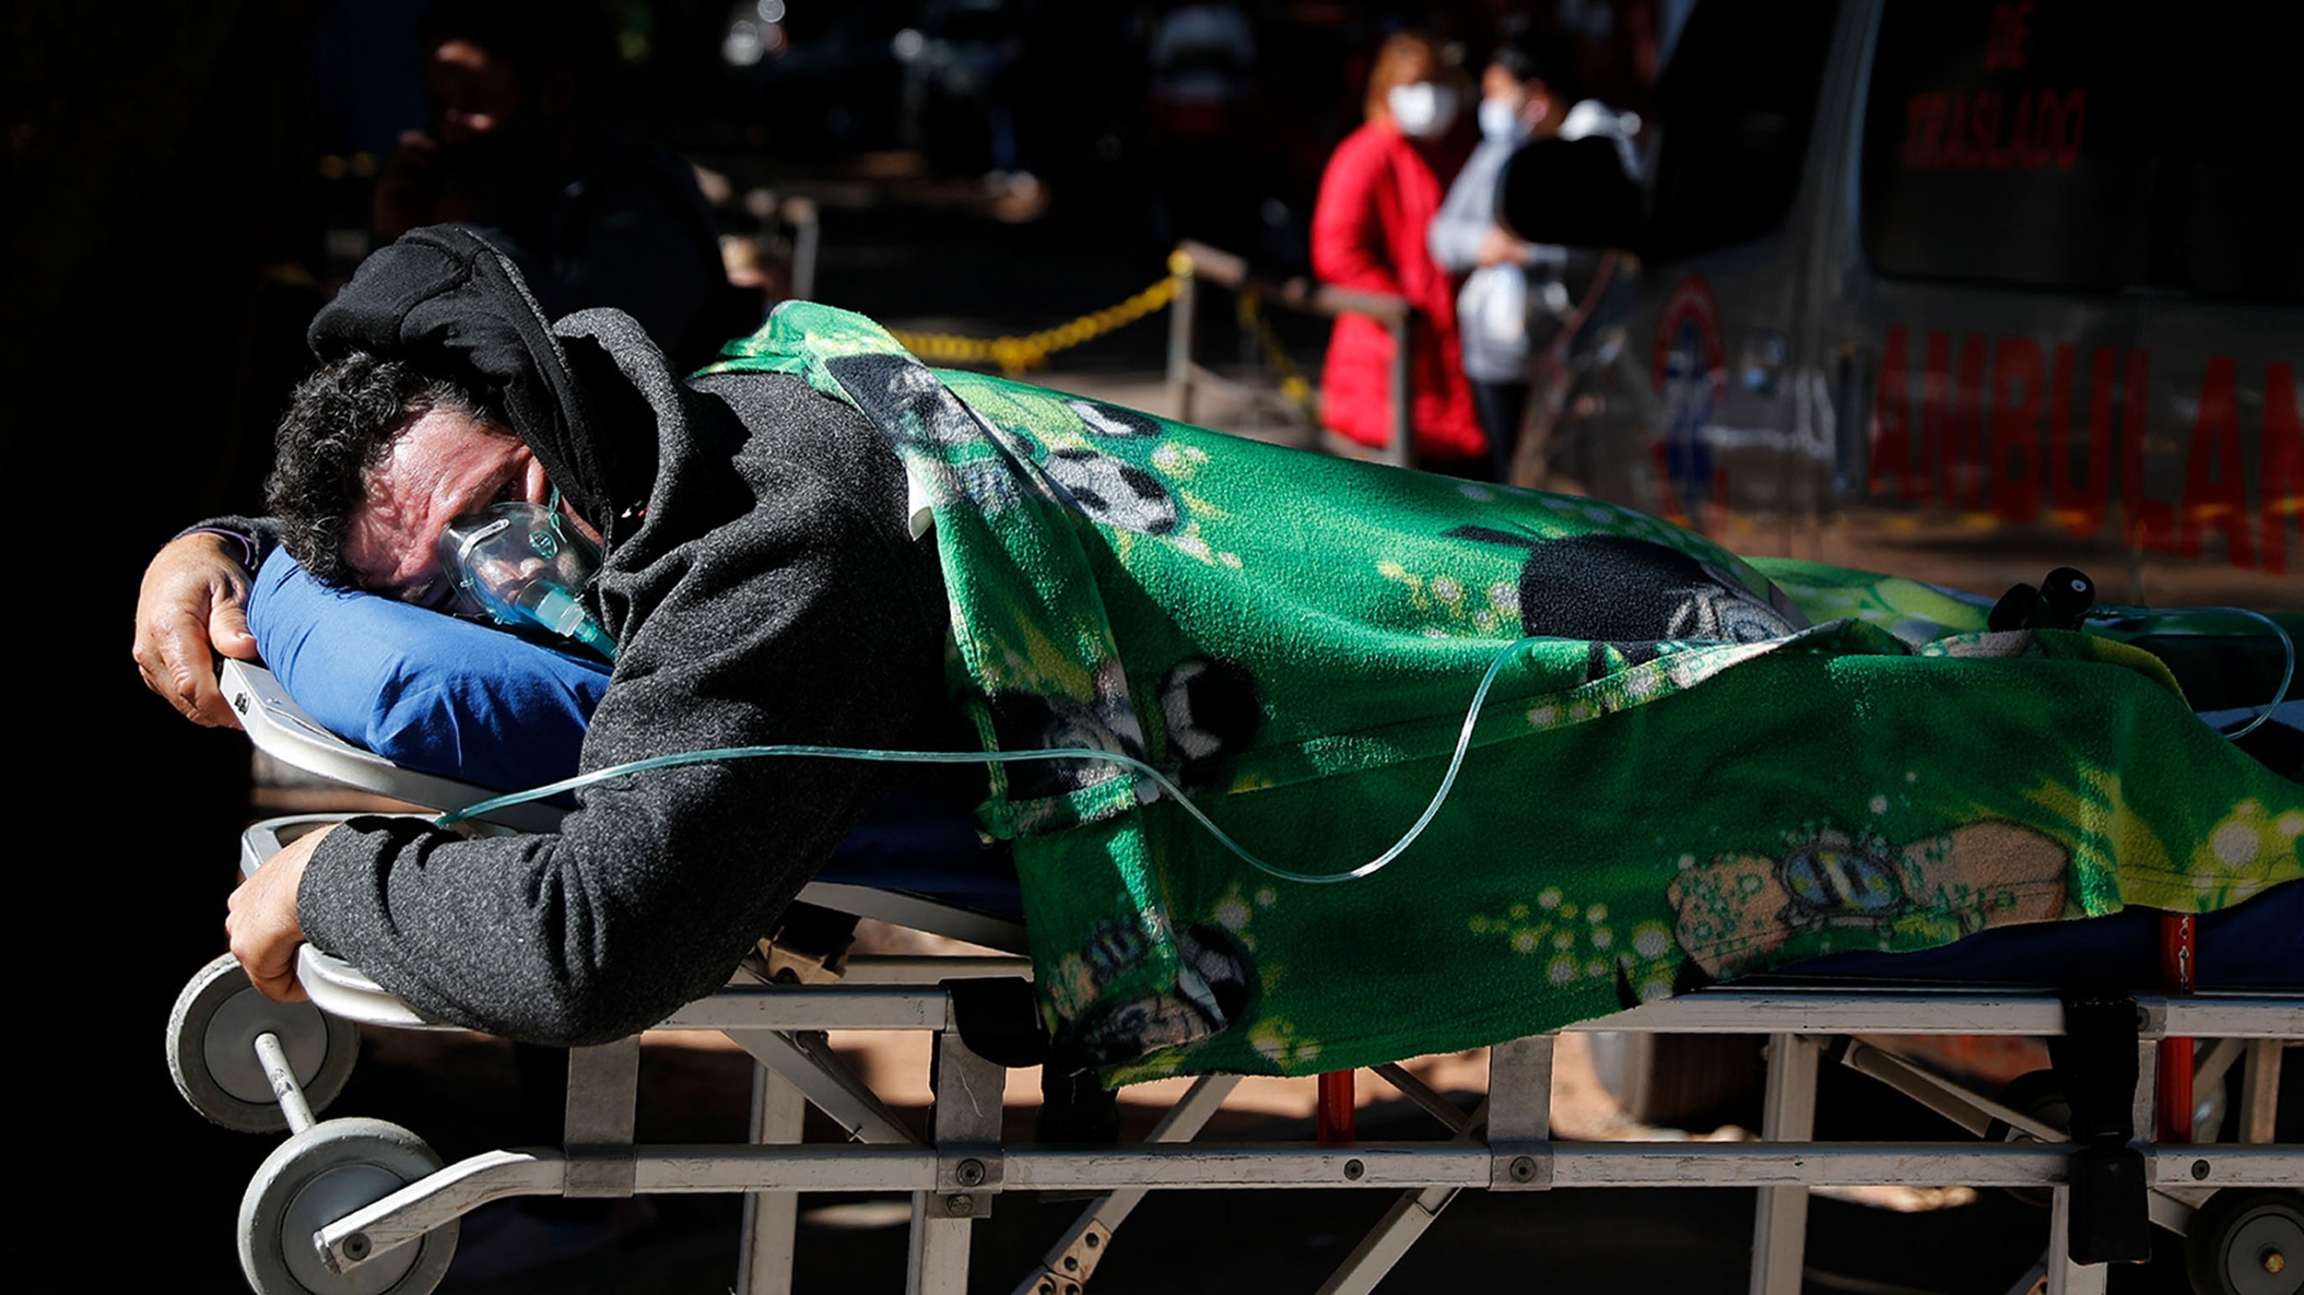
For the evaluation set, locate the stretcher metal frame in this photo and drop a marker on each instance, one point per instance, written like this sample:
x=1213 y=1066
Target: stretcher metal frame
x=1504 y=1144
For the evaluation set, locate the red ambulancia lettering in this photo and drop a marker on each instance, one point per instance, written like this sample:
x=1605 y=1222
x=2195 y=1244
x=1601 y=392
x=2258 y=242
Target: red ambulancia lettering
x=2148 y=522
x=2014 y=466
x=1952 y=419
x=1892 y=420
x=1965 y=453
x=2004 y=41
x=2080 y=505
x=2283 y=498
x=2215 y=492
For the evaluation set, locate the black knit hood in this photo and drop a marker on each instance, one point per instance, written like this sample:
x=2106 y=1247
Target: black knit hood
x=445 y=299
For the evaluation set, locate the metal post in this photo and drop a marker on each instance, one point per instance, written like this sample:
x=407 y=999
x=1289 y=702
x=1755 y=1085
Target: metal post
x=2260 y=1090
x=806 y=232
x=2145 y=1108
x=1520 y=1090
x=771 y=1218
x=967 y=1127
x=1402 y=451
x=282 y=1076
x=1520 y=1114
x=2064 y=1276
x=1180 y=325
x=603 y=1100
x=1780 y=1220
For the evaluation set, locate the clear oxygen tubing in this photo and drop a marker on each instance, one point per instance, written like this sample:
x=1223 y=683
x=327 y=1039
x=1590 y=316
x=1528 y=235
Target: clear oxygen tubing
x=2114 y=611
x=1368 y=869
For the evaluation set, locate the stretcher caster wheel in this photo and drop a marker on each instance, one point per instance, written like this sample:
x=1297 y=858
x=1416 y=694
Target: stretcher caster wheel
x=318 y=1177
x=2247 y=1243
x=2038 y=1094
x=212 y=1049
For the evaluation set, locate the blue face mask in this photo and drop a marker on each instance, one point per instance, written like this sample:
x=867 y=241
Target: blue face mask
x=523 y=565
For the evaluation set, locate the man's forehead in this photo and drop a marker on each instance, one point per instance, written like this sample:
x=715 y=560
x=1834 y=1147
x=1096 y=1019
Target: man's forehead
x=443 y=438
x=447 y=463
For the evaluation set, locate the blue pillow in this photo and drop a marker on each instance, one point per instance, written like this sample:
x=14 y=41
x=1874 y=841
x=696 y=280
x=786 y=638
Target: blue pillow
x=423 y=690
x=450 y=697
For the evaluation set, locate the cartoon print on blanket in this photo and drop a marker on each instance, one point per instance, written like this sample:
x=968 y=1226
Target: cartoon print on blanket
x=1735 y=911
x=1698 y=772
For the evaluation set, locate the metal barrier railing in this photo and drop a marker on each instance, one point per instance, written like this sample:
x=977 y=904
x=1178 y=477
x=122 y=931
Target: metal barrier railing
x=1194 y=263
x=799 y=214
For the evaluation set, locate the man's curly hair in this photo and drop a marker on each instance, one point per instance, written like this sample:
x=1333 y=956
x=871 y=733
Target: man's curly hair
x=339 y=426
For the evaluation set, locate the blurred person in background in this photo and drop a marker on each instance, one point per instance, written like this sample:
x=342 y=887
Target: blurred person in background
x=1520 y=100
x=1383 y=186
x=1201 y=100
x=517 y=143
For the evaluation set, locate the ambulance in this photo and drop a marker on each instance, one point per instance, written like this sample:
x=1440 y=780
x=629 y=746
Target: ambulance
x=1962 y=289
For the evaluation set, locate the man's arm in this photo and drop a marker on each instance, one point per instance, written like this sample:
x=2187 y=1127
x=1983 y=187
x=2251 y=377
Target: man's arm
x=1464 y=235
x=194 y=600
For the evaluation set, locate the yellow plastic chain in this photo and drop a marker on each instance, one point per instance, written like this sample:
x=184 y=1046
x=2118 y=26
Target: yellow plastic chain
x=1293 y=384
x=1015 y=355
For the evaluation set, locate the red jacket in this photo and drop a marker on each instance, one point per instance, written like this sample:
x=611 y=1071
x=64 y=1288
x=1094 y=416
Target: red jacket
x=1376 y=200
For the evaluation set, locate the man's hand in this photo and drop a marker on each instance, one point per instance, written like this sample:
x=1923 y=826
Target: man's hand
x=262 y=922
x=194 y=599
x=1500 y=248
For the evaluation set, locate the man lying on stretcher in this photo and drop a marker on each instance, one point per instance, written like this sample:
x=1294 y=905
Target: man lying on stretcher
x=1675 y=774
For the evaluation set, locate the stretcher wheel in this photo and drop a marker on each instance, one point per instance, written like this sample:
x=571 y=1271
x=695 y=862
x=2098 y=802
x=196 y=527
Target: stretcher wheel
x=2247 y=1243
x=318 y=1177
x=2040 y=1095
x=212 y=1049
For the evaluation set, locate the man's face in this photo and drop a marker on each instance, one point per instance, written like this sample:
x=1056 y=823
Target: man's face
x=445 y=465
x=471 y=93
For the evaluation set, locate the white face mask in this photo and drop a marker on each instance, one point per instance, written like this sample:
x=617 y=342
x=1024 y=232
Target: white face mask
x=1422 y=109
x=1501 y=119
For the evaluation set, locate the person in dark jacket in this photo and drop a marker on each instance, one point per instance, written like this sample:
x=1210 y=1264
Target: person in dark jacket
x=760 y=582
x=517 y=141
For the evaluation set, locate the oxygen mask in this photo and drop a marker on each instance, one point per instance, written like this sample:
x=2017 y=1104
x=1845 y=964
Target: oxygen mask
x=523 y=565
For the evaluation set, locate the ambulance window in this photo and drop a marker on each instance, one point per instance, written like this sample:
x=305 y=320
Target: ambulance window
x=2231 y=184
x=2011 y=141
x=1733 y=110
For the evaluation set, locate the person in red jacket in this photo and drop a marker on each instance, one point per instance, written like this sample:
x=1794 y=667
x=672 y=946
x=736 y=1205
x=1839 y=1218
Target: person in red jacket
x=1383 y=185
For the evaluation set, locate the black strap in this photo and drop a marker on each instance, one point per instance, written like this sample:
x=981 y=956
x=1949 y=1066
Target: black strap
x=2096 y=1060
x=999 y=1019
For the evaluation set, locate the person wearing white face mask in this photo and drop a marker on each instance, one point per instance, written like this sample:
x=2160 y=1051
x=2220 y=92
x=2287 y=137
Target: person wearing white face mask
x=1519 y=102
x=1382 y=187
x=1423 y=109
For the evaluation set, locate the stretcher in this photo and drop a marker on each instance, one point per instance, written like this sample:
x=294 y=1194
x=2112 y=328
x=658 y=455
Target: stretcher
x=354 y=1204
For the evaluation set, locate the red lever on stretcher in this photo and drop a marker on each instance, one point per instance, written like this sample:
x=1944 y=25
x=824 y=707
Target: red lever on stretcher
x=1338 y=1107
x=2179 y=951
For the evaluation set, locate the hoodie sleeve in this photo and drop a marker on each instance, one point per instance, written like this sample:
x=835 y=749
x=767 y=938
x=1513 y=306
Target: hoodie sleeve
x=257 y=536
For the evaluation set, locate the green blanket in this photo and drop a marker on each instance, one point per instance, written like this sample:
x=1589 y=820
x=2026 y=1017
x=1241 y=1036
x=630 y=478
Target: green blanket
x=1689 y=773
